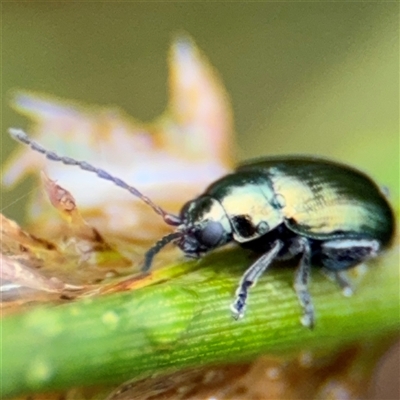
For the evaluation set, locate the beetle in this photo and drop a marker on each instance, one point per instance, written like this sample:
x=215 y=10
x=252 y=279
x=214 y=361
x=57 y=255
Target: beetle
x=325 y=213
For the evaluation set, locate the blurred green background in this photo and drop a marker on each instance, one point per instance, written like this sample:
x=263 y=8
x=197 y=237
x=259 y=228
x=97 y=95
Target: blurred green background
x=318 y=78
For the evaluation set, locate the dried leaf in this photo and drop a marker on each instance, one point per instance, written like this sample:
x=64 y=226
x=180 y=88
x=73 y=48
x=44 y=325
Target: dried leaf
x=17 y=273
x=171 y=160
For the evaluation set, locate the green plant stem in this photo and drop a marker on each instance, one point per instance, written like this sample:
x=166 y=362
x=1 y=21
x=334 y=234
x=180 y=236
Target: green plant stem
x=186 y=322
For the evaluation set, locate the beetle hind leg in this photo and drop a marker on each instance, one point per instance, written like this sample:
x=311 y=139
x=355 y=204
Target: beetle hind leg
x=342 y=280
x=250 y=278
x=339 y=255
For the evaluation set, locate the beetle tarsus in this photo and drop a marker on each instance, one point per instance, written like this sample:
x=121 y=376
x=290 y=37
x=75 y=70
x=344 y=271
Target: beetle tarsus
x=237 y=310
x=341 y=279
x=239 y=305
x=344 y=282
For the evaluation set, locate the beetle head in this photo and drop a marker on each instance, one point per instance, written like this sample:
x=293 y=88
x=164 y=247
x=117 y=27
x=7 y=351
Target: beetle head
x=204 y=227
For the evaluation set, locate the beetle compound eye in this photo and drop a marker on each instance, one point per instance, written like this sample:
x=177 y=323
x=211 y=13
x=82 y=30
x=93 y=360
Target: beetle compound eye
x=211 y=234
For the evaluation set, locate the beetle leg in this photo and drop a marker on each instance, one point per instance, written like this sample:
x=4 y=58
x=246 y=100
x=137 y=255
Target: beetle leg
x=339 y=255
x=344 y=282
x=342 y=254
x=341 y=278
x=250 y=278
x=301 y=281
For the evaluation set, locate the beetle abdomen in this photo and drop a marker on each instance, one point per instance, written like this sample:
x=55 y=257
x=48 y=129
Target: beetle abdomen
x=325 y=200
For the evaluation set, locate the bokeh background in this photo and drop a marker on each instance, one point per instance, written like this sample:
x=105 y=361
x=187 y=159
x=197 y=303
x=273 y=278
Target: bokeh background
x=304 y=77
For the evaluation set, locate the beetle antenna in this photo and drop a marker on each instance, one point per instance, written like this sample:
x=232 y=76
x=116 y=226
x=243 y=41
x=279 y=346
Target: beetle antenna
x=148 y=258
x=22 y=137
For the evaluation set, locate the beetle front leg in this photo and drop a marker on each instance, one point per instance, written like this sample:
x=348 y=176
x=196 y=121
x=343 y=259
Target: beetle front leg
x=301 y=281
x=250 y=278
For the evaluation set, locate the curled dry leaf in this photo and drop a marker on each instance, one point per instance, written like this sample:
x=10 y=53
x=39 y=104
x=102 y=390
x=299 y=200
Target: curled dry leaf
x=96 y=229
x=171 y=160
x=87 y=239
x=18 y=274
x=26 y=263
x=15 y=240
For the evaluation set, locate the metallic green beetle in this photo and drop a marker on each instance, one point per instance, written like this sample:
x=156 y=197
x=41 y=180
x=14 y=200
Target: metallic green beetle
x=323 y=212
